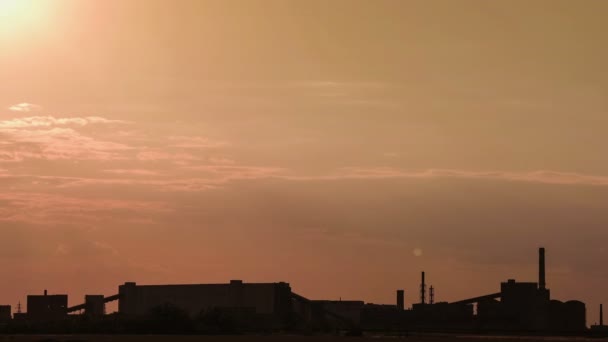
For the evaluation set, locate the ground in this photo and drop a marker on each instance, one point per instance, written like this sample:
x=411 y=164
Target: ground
x=277 y=338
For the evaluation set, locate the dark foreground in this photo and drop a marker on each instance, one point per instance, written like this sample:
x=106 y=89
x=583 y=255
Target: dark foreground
x=286 y=338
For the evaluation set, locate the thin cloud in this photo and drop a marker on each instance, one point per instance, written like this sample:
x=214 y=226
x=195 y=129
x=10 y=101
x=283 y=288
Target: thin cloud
x=216 y=176
x=47 y=121
x=134 y=172
x=43 y=208
x=56 y=144
x=195 y=142
x=221 y=161
x=160 y=155
x=52 y=138
x=540 y=176
x=24 y=107
x=340 y=84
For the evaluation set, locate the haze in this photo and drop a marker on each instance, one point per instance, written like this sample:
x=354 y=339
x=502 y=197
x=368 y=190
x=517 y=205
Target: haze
x=341 y=146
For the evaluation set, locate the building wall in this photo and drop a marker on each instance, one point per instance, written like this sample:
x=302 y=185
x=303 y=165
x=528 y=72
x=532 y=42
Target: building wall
x=47 y=307
x=348 y=310
x=270 y=298
x=94 y=305
x=5 y=313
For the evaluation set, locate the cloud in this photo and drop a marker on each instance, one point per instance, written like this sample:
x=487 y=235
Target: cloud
x=55 y=144
x=85 y=248
x=220 y=174
x=339 y=84
x=51 y=138
x=46 y=121
x=222 y=161
x=207 y=177
x=195 y=142
x=540 y=176
x=45 y=209
x=135 y=172
x=24 y=107
x=158 y=155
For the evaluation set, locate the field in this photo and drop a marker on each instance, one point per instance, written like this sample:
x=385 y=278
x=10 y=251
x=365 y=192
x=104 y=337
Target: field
x=280 y=338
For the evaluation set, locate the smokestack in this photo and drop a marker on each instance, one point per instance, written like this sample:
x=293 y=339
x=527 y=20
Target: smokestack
x=541 y=268
x=400 y=300
x=44 y=292
x=422 y=290
x=601 y=314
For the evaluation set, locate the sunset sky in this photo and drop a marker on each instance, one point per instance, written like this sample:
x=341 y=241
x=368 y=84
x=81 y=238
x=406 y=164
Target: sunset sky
x=342 y=146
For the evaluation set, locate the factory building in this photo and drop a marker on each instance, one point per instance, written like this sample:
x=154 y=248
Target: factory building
x=5 y=313
x=344 y=313
x=401 y=300
x=527 y=306
x=518 y=307
x=47 y=307
x=265 y=299
x=94 y=306
x=600 y=329
x=521 y=305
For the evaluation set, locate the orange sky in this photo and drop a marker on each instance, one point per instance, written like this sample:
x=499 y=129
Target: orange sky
x=315 y=142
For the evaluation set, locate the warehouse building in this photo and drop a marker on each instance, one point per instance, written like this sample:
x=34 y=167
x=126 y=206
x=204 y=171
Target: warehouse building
x=267 y=299
x=47 y=307
x=5 y=313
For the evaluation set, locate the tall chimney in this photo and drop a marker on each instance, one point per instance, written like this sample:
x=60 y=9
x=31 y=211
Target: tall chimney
x=422 y=290
x=541 y=268
x=400 y=300
x=601 y=314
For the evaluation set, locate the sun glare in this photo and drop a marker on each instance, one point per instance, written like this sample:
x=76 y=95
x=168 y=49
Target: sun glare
x=11 y=8
x=17 y=16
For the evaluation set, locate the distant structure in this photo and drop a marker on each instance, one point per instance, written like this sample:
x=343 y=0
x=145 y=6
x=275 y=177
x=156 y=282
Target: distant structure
x=5 y=313
x=600 y=328
x=47 y=307
x=94 y=306
x=19 y=315
x=422 y=290
x=330 y=313
x=271 y=300
x=518 y=307
x=400 y=300
x=526 y=306
x=542 y=285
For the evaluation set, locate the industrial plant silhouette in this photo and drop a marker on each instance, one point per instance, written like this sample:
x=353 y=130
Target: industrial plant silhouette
x=519 y=307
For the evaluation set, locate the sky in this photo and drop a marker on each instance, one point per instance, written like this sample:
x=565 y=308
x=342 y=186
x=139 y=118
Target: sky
x=342 y=146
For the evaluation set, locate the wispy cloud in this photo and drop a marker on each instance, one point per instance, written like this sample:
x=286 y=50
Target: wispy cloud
x=226 y=173
x=134 y=172
x=24 y=107
x=540 y=176
x=195 y=142
x=46 y=121
x=56 y=144
x=209 y=177
x=52 y=138
x=159 y=155
x=43 y=208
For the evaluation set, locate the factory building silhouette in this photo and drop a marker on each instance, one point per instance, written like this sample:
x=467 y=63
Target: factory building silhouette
x=517 y=307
